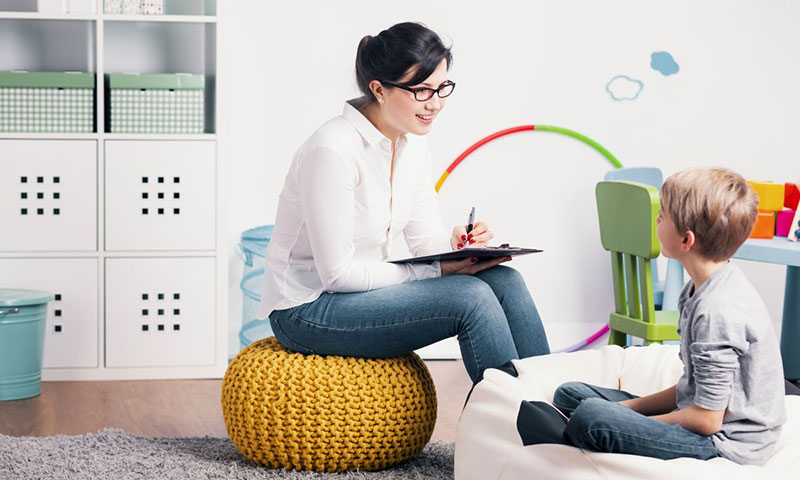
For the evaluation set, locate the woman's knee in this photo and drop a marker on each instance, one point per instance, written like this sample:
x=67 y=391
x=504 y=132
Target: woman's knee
x=476 y=293
x=475 y=307
x=510 y=273
x=502 y=276
x=279 y=323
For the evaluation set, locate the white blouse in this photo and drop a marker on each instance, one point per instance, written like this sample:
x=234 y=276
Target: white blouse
x=338 y=215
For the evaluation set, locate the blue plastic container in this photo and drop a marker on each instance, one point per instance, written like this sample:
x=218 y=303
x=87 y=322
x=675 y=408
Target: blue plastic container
x=23 y=315
x=253 y=247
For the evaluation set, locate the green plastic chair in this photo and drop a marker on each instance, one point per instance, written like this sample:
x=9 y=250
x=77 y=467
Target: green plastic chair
x=666 y=291
x=627 y=212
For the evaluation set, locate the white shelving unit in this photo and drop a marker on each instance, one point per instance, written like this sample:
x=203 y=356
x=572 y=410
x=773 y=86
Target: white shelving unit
x=125 y=229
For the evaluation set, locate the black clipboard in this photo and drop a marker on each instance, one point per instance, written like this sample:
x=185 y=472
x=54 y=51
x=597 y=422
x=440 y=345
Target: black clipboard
x=480 y=252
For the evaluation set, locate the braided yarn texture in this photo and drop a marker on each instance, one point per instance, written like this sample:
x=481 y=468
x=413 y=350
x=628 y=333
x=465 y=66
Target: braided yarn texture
x=332 y=414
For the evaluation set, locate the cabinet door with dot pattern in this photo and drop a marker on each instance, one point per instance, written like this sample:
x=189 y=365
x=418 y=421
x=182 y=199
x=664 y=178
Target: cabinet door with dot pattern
x=48 y=195
x=160 y=195
x=71 y=331
x=160 y=312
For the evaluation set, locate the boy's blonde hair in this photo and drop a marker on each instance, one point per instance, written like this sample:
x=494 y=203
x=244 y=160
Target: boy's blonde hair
x=716 y=204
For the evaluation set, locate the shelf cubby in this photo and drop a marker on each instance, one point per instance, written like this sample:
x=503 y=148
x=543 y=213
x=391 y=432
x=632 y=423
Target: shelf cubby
x=164 y=47
x=49 y=45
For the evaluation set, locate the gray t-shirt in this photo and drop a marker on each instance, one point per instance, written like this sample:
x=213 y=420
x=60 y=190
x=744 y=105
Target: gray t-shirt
x=732 y=361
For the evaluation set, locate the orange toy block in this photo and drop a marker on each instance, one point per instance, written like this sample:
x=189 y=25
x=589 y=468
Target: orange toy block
x=791 y=196
x=764 y=226
x=770 y=196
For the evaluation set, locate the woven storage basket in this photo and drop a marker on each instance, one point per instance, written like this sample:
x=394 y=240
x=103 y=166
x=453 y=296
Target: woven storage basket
x=308 y=412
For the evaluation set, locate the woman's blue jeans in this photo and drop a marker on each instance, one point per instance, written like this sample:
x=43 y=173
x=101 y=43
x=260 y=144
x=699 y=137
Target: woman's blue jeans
x=491 y=312
x=597 y=422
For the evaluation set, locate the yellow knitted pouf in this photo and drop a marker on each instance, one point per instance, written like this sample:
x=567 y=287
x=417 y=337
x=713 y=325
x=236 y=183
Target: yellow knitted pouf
x=309 y=412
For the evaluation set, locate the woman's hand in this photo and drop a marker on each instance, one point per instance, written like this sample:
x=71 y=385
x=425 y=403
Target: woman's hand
x=478 y=237
x=469 y=266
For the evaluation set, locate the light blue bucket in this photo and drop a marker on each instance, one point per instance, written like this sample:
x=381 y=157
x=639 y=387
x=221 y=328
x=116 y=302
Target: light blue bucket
x=253 y=247
x=23 y=315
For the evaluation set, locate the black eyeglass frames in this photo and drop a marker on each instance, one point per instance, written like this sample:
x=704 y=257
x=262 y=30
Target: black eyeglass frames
x=423 y=94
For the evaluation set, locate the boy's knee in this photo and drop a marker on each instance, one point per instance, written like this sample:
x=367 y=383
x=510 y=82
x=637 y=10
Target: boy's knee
x=566 y=393
x=571 y=391
x=589 y=417
x=569 y=395
x=593 y=407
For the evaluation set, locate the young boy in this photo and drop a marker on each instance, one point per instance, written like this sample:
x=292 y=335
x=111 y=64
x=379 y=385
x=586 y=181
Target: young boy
x=729 y=401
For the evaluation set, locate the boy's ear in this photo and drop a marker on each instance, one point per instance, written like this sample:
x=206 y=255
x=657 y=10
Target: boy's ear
x=688 y=241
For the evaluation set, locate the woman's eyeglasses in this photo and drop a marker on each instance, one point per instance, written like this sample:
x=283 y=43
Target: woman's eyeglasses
x=423 y=94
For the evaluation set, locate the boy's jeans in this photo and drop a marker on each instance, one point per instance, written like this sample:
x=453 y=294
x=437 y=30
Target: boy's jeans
x=598 y=423
x=491 y=312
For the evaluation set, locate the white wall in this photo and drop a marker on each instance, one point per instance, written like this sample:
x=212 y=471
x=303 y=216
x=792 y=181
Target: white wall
x=288 y=66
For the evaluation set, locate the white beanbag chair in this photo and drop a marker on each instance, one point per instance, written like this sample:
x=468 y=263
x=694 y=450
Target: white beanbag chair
x=489 y=447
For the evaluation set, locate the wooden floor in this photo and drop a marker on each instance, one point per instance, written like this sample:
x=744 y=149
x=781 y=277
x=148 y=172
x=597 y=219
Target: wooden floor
x=174 y=408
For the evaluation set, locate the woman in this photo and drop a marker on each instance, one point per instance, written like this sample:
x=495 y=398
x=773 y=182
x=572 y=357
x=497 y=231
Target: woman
x=354 y=186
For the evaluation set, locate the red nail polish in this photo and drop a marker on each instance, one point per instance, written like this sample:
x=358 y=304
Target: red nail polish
x=463 y=237
x=469 y=236
x=460 y=245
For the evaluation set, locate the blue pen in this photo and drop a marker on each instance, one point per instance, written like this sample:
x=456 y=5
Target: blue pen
x=470 y=222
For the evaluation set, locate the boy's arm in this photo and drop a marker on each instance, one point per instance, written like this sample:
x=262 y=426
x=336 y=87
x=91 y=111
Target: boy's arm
x=654 y=404
x=719 y=340
x=695 y=419
x=661 y=406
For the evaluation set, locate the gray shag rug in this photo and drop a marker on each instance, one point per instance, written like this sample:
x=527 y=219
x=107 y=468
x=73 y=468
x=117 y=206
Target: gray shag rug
x=120 y=455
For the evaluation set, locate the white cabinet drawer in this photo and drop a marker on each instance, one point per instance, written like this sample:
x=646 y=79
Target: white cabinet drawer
x=71 y=332
x=48 y=195
x=160 y=312
x=160 y=195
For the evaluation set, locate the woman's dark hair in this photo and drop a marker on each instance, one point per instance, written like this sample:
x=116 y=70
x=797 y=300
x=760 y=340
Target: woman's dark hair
x=395 y=51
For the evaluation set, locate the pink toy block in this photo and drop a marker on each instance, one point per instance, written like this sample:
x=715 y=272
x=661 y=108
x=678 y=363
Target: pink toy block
x=783 y=222
x=791 y=196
